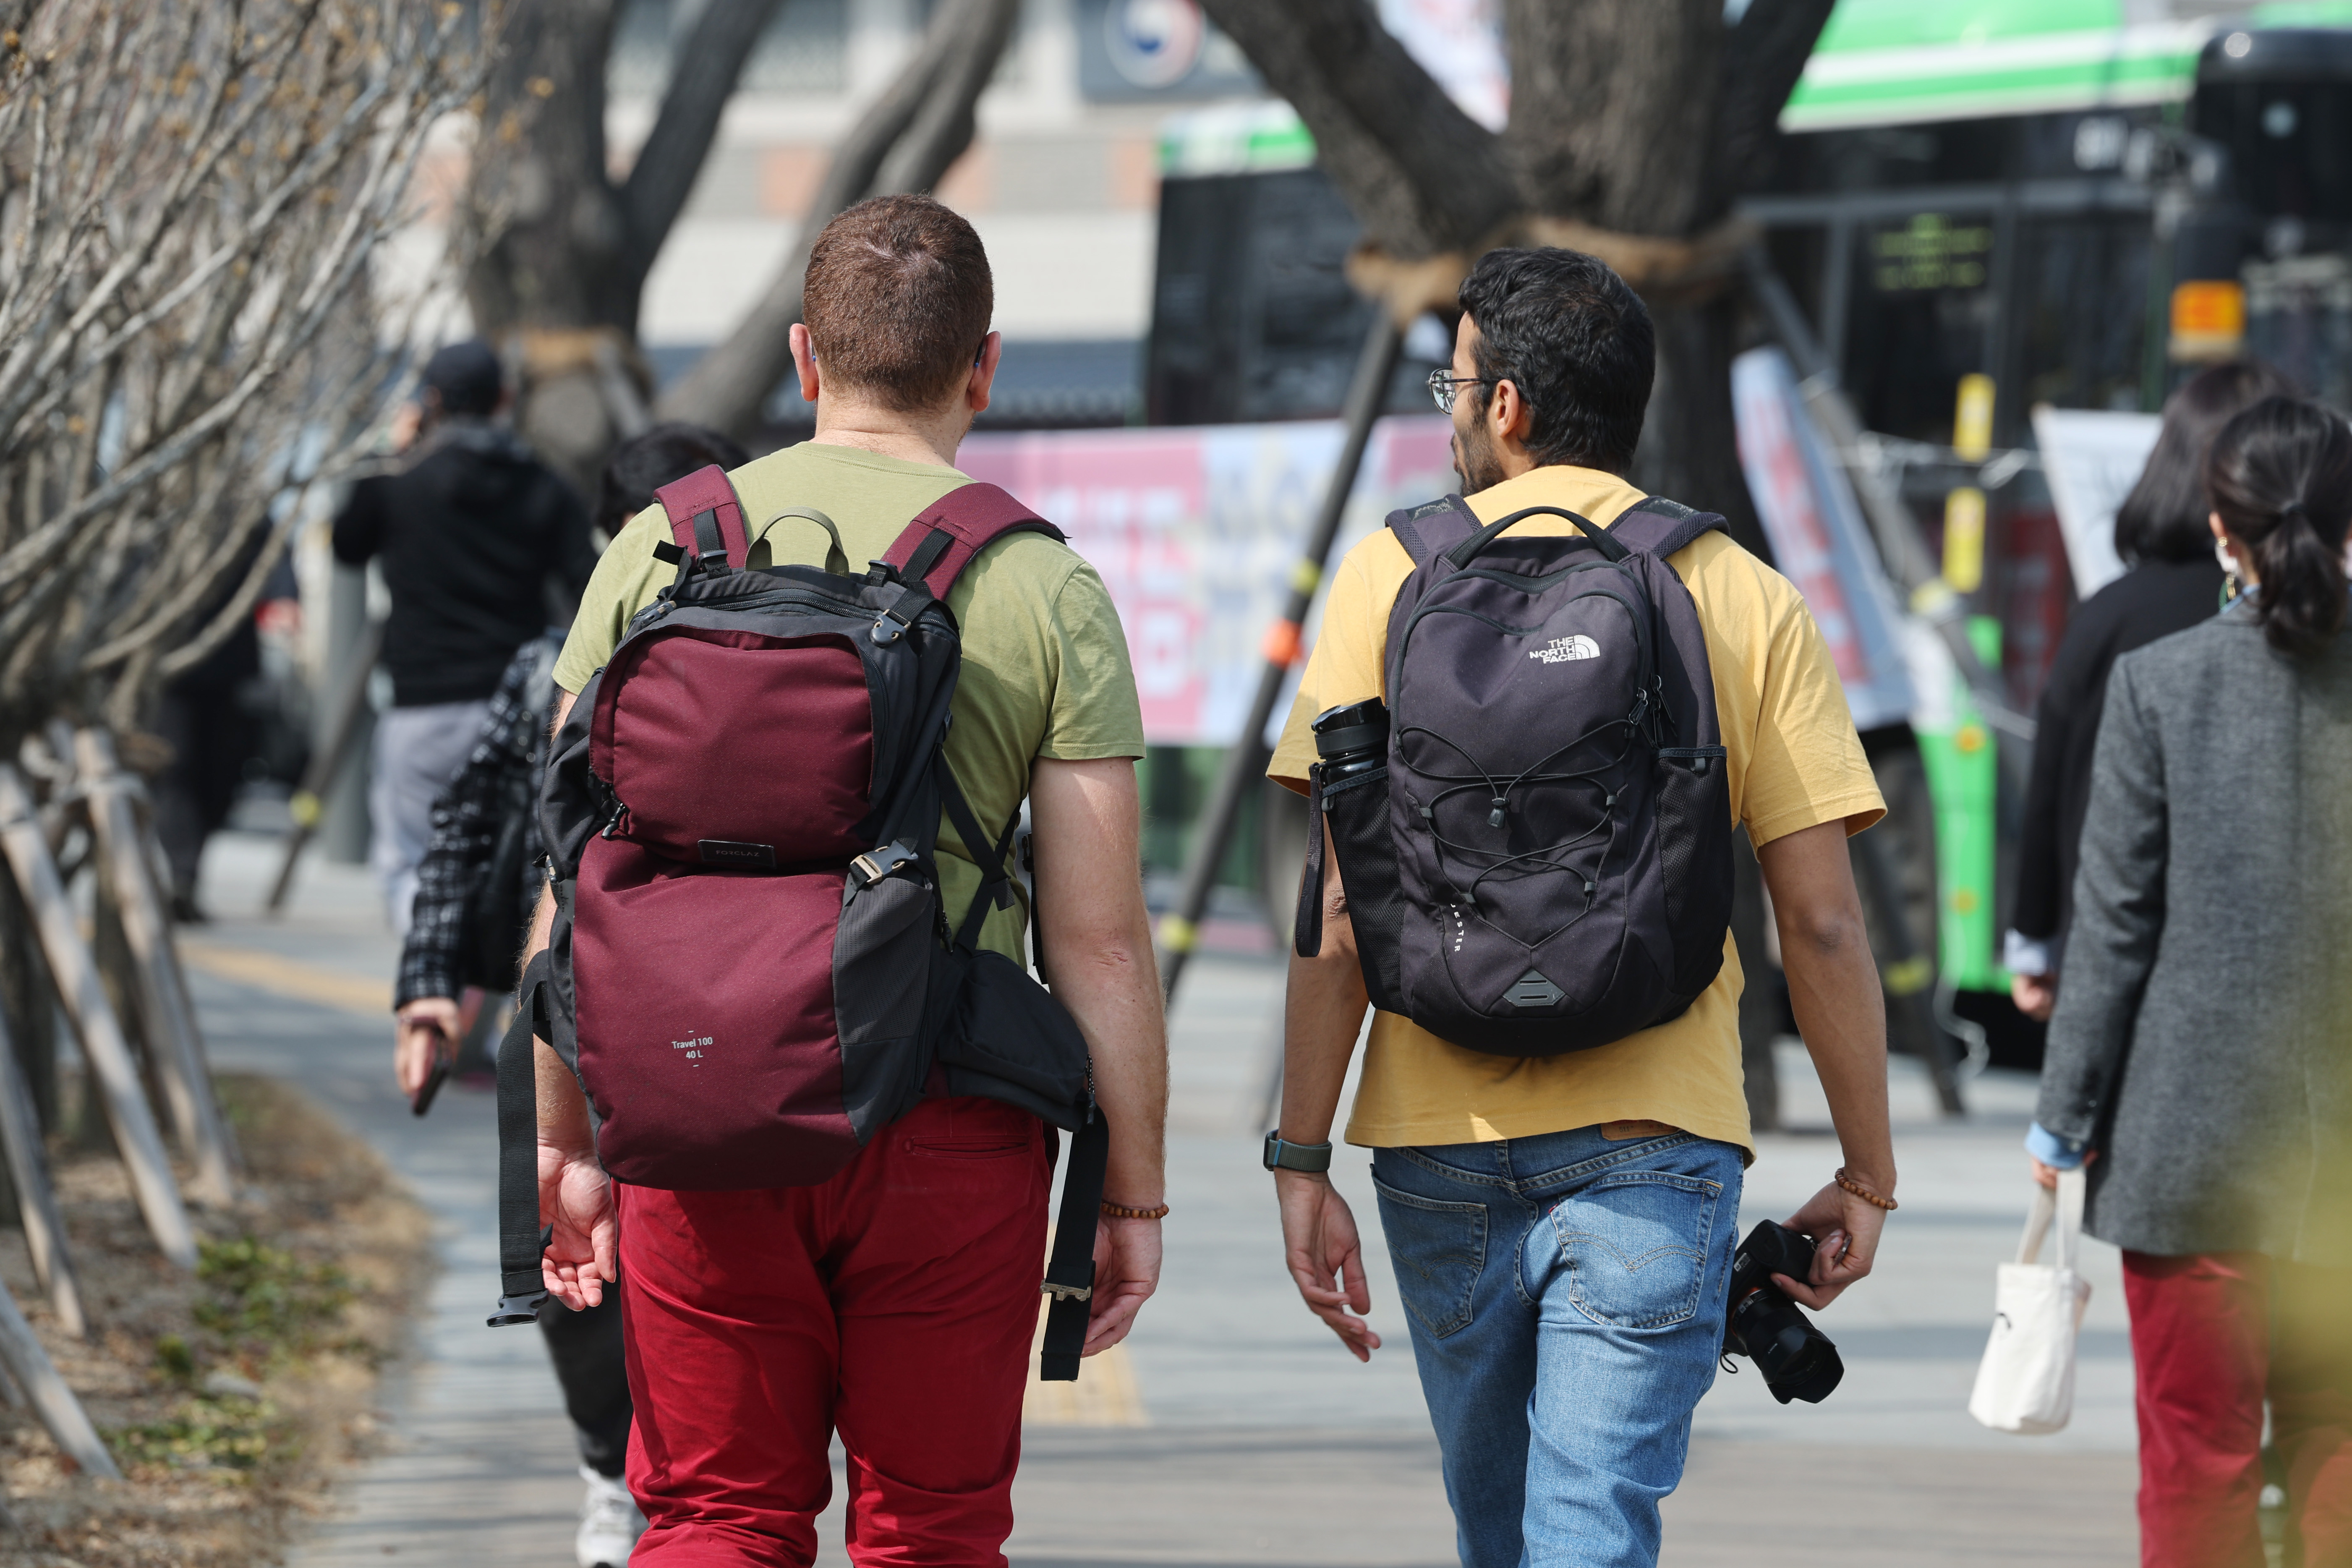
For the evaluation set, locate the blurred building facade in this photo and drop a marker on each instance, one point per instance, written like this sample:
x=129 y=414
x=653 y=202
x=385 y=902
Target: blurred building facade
x=1062 y=181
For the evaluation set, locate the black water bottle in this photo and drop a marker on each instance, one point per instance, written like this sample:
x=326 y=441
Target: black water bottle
x=1352 y=740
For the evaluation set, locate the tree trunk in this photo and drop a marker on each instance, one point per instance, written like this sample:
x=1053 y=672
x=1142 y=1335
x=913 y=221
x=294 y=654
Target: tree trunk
x=568 y=249
x=905 y=142
x=1640 y=119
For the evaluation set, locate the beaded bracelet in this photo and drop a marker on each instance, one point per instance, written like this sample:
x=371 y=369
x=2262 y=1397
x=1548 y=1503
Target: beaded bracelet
x=1120 y=1211
x=1865 y=1194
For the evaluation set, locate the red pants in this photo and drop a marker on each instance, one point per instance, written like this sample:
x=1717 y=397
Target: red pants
x=2213 y=1335
x=895 y=1303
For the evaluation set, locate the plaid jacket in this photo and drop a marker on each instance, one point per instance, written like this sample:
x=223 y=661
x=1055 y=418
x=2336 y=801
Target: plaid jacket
x=452 y=940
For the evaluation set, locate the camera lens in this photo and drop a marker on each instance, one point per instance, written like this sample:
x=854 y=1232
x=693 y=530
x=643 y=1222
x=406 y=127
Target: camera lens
x=1798 y=1361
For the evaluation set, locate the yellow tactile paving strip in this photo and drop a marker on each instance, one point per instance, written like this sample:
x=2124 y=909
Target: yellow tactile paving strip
x=287 y=976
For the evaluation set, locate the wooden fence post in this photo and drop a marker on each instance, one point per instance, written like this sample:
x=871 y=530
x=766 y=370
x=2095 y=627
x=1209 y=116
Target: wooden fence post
x=103 y=1047
x=37 y=1198
x=172 y=1042
x=68 y=1423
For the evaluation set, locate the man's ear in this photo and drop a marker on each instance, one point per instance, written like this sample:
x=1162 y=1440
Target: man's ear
x=978 y=390
x=1507 y=412
x=805 y=361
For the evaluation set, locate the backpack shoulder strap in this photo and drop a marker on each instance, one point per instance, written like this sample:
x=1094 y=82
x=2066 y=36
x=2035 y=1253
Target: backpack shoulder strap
x=704 y=516
x=1659 y=527
x=1433 y=526
x=935 y=548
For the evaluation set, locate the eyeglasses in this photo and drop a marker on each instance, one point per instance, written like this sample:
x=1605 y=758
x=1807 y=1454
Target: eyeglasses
x=1442 y=383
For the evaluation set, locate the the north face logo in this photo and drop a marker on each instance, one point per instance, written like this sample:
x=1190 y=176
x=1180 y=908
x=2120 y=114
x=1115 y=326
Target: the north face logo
x=1561 y=649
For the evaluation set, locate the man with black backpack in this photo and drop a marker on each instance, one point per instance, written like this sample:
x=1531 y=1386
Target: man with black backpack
x=1530 y=724
x=820 y=1080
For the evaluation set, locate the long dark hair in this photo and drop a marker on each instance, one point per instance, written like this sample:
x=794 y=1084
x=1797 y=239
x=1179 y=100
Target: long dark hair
x=642 y=464
x=2280 y=475
x=2163 y=519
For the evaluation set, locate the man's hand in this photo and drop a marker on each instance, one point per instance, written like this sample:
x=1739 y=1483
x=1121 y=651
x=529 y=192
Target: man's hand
x=1833 y=990
x=1844 y=1229
x=1325 y=1257
x=575 y=1199
x=1127 y=1272
x=2036 y=995
x=426 y=1028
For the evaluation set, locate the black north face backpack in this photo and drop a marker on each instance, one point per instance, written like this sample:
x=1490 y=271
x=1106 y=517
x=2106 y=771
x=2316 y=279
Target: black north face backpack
x=1535 y=834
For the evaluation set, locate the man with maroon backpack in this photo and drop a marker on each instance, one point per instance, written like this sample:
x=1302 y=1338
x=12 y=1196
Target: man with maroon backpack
x=827 y=1200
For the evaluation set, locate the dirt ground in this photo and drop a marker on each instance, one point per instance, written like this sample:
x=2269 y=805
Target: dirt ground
x=230 y=1399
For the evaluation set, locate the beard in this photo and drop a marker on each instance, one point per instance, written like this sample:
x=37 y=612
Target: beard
x=1474 y=463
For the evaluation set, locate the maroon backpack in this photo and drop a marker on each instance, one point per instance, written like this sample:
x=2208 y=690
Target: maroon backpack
x=752 y=970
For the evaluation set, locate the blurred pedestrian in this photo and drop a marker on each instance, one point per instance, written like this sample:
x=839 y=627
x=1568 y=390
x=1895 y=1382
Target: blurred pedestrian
x=475 y=890
x=475 y=533
x=208 y=718
x=2199 y=1054
x=2174 y=581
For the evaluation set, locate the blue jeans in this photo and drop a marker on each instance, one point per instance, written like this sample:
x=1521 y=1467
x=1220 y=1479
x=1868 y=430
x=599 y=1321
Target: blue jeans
x=1565 y=1298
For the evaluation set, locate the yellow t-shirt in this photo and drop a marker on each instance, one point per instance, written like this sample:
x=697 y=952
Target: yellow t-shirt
x=1045 y=671
x=1794 y=761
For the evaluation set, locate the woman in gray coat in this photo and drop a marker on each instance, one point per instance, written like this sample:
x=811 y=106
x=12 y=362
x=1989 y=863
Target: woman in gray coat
x=2201 y=1055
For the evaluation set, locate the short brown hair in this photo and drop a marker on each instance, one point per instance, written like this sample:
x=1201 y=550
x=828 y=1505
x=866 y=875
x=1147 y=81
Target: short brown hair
x=897 y=300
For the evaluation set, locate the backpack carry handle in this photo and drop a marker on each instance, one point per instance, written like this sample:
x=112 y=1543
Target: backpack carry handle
x=1462 y=554
x=837 y=559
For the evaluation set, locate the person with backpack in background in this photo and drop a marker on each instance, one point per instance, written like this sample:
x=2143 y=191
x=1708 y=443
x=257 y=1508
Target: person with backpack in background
x=482 y=545
x=2172 y=583
x=479 y=881
x=819 y=1071
x=2198 y=1060
x=1538 y=731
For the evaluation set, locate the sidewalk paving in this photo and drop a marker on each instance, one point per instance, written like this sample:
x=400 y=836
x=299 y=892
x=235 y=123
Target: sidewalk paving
x=1265 y=1443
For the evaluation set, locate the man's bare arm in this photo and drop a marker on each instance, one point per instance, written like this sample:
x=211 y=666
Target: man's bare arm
x=1323 y=1012
x=1095 y=937
x=1842 y=1013
x=574 y=1197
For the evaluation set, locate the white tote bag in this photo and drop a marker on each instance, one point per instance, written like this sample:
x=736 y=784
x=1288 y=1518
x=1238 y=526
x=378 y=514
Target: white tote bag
x=2026 y=1382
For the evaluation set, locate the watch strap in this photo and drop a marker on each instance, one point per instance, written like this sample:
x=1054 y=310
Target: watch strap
x=1281 y=1155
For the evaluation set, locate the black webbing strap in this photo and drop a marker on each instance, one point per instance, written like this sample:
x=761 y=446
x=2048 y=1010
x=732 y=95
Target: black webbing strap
x=935 y=544
x=995 y=874
x=917 y=593
x=523 y=1288
x=708 y=541
x=1070 y=1271
x=1307 y=930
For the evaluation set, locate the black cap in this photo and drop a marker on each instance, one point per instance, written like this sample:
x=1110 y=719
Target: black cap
x=467 y=376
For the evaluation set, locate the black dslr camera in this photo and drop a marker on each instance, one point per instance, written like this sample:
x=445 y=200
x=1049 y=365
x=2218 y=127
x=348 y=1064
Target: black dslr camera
x=1798 y=1361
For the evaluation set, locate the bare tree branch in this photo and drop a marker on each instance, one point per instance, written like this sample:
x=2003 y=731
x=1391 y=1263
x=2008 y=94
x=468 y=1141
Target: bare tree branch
x=1421 y=175
x=930 y=104
x=943 y=126
x=663 y=176
x=189 y=200
x=1769 y=45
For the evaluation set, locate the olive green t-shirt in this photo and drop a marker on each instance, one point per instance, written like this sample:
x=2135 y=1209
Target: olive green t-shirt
x=1045 y=671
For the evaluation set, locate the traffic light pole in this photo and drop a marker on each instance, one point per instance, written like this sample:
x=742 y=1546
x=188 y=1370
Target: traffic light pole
x=1245 y=762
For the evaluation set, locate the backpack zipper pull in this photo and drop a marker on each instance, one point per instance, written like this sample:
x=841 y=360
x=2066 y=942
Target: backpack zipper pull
x=620 y=821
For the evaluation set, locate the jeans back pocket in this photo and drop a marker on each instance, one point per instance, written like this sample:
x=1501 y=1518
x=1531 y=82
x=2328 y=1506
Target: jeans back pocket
x=1634 y=1245
x=1439 y=1249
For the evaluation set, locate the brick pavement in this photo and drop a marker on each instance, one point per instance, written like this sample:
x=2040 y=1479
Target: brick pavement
x=1265 y=1444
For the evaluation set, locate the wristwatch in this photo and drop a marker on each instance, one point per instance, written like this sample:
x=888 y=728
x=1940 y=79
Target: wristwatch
x=1282 y=1156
